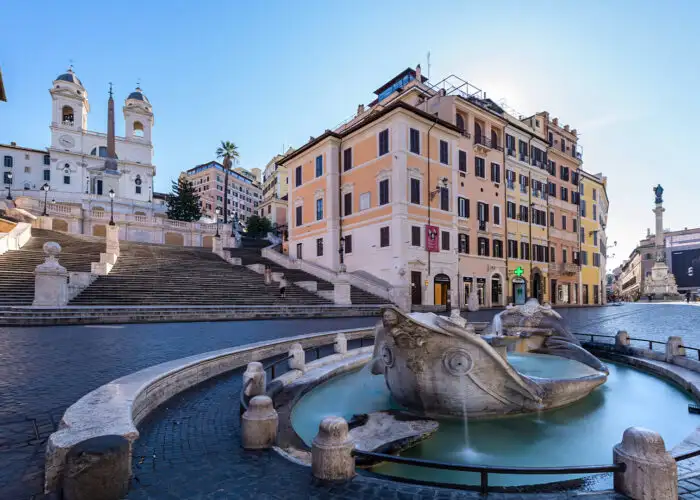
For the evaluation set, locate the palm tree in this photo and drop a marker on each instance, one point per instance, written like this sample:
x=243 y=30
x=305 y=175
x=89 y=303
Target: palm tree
x=229 y=152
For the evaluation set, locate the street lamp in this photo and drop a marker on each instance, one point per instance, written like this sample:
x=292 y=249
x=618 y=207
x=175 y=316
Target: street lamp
x=234 y=224
x=218 y=211
x=9 y=185
x=111 y=207
x=341 y=251
x=45 y=188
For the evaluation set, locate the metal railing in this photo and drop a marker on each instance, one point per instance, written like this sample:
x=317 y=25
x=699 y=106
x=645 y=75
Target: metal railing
x=685 y=456
x=649 y=341
x=697 y=350
x=485 y=470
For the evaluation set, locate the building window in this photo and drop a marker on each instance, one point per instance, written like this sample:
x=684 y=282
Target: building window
x=319 y=247
x=512 y=249
x=445 y=199
x=563 y=255
x=483 y=247
x=415 y=191
x=594 y=194
x=66 y=179
x=551 y=219
x=319 y=165
x=299 y=220
x=319 y=209
x=384 y=236
x=6 y=178
x=498 y=249
x=47 y=175
x=584 y=258
x=365 y=201
x=524 y=213
x=563 y=221
x=524 y=250
x=383 y=142
x=583 y=234
x=462 y=207
x=298 y=250
x=563 y=144
x=462 y=161
x=444 y=153
x=137 y=189
x=551 y=139
x=8 y=161
x=574 y=223
x=459 y=122
x=297 y=176
x=596 y=259
x=482 y=212
x=347 y=204
x=510 y=210
x=496 y=173
x=564 y=172
x=445 y=236
x=552 y=189
x=414 y=141
x=27 y=170
x=347 y=247
x=552 y=254
x=415 y=236
x=347 y=159
x=510 y=145
x=497 y=215
x=463 y=243
x=595 y=212
x=564 y=194
x=583 y=208
x=384 y=192
x=479 y=167
x=47 y=160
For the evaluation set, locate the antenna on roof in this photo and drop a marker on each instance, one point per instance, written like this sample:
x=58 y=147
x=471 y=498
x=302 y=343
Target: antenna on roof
x=428 y=65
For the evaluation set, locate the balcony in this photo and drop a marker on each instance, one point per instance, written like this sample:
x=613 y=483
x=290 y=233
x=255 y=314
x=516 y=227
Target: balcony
x=485 y=144
x=563 y=268
x=482 y=225
x=524 y=158
x=511 y=152
x=510 y=184
x=537 y=163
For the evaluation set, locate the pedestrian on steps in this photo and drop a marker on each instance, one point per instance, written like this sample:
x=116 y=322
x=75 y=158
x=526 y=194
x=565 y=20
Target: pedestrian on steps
x=283 y=287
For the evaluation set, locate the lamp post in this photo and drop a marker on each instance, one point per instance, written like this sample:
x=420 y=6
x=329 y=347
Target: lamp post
x=218 y=211
x=111 y=207
x=341 y=251
x=234 y=224
x=45 y=188
x=9 y=185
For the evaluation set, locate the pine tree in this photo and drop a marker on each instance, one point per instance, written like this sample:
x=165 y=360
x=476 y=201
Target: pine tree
x=183 y=202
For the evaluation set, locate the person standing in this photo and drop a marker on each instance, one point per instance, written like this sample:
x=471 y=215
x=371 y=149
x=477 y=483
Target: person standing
x=687 y=297
x=283 y=287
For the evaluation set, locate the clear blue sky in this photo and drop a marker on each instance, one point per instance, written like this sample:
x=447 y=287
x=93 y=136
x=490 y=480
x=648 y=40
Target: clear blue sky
x=267 y=74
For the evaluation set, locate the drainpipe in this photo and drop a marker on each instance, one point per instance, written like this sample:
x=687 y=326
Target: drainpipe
x=429 y=188
x=506 y=280
x=340 y=194
x=529 y=210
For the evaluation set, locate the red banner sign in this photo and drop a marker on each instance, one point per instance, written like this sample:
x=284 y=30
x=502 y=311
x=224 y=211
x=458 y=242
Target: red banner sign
x=432 y=238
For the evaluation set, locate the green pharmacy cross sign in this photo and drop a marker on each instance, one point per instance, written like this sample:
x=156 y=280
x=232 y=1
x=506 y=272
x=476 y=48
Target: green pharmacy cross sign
x=519 y=271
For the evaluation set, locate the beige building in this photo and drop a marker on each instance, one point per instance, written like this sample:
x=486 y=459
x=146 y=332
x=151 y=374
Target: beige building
x=209 y=180
x=274 y=188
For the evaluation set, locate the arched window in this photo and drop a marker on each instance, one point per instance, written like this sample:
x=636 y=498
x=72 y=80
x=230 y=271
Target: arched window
x=137 y=181
x=477 y=133
x=27 y=185
x=138 y=129
x=67 y=115
x=459 y=121
x=494 y=138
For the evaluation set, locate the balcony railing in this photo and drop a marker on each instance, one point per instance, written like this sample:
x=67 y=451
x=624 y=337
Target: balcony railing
x=482 y=225
x=511 y=152
x=563 y=268
x=524 y=158
x=486 y=142
x=510 y=184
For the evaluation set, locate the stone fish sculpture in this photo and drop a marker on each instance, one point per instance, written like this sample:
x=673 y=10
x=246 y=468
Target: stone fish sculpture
x=438 y=367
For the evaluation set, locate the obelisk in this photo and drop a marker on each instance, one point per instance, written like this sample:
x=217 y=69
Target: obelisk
x=111 y=159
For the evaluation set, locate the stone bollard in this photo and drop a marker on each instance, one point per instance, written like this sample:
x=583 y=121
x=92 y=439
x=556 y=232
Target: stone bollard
x=256 y=374
x=341 y=344
x=297 y=359
x=51 y=279
x=341 y=291
x=112 y=240
x=331 y=451
x=268 y=275
x=99 y=467
x=674 y=347
x=622 y=339
x=651 y=472
x=259 y=424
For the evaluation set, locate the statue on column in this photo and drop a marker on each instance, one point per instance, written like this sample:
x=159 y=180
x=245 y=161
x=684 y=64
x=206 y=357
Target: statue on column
x=659 y=191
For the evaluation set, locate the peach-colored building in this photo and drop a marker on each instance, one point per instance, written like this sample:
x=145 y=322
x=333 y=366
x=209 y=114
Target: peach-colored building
x=420 y=187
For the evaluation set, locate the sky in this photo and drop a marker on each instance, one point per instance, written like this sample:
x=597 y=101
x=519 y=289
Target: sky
x=270 y=74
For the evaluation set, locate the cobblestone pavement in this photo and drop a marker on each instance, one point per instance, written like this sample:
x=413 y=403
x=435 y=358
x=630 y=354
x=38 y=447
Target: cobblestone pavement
x=43 y=370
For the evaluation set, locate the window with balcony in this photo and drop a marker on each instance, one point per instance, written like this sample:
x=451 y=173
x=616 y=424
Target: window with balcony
x=483 y=247
x=414 y=141
x=463 y=243
x=319 y=165
x=462 y=161
x=347 y=159
x=511 y=210
x=498 y=249
x=510 y=179
x=482 y=211
x=494 y=139
x=459 y=122
x=319 y=247
x=445 y=240
x=444 y=153
x=495 y=173
x=523 y=184
x=384 y=236
x=512 y=249
x=415 y=236
x=480 y=167
x=478 y=135
x=383 y=142
x=522 y=151
x=415 y=191
x=462 y=207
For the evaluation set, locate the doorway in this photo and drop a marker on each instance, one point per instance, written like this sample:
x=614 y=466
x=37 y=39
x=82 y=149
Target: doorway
x=553 y=292
x=416 y=288
x=537 y=286
x=519 y=291
x=441 y=289
x=496 y=290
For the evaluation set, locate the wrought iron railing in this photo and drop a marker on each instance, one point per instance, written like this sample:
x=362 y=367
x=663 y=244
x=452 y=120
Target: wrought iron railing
x=485 y=470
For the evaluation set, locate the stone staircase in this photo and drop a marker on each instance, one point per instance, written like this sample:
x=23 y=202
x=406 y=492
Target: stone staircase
x=17 y=266
x=149 y=274
x=250 y=254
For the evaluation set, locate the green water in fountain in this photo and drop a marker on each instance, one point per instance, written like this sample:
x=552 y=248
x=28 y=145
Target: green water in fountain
x=580 y=434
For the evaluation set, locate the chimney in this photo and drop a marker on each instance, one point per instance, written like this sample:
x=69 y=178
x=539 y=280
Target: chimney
x=418 y=73
x=360 y=109
x=574 y=131
x=556 y=121
x=13 y=143
x=566 y=127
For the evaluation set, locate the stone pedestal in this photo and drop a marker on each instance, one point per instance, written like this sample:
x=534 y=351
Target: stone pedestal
x=297 y=357
x=331 y=451
x=259 y=424
x=217 y=246
x=112 y=239
x=98 y=468
x=674 y=347
x=44 y=222
x=651 y=472
x=256 y=374
x=341 y=291
x=341 y=344
x=622 y=339
x=51 y=279
x=268 y=276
